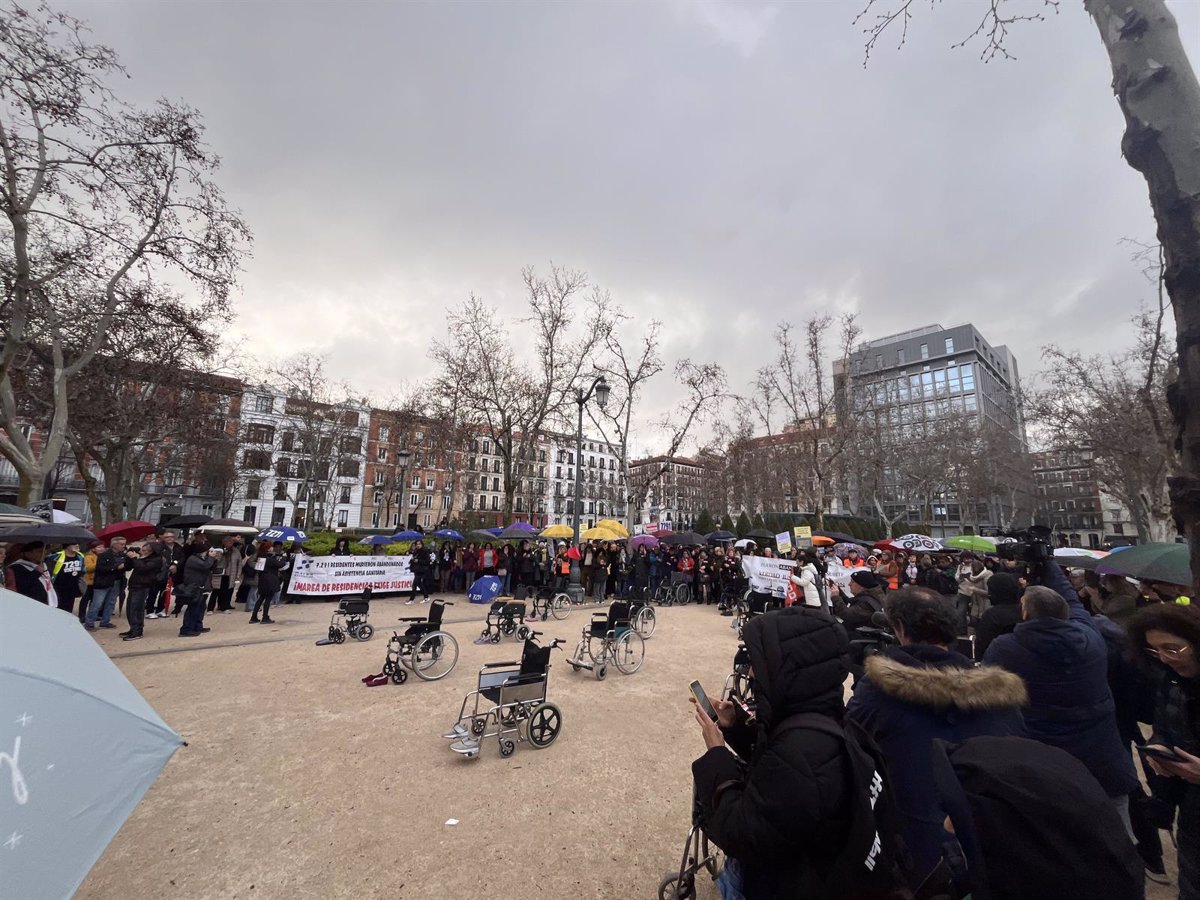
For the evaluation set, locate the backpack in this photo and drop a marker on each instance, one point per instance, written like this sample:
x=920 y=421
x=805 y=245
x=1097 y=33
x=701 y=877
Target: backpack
x=872 y=863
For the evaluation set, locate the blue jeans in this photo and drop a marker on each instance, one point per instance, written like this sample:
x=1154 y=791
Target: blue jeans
x=103 y=601
x=732 y=881
x=193 y=615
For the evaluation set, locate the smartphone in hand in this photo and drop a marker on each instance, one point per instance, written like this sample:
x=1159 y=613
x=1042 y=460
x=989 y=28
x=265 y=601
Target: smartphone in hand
x=702 y=700
x=1162 y=753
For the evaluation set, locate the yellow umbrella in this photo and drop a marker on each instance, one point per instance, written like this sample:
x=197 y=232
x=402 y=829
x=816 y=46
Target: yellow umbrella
x=615 y=526
x=600 y=534
x=558 y=531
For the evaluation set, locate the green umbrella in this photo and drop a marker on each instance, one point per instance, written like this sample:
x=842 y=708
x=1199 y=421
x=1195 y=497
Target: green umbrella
x=1169 y=563
x=971 y=542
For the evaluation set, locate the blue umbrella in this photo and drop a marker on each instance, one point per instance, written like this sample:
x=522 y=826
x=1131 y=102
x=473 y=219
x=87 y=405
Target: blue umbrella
x=282 y=533
x=494 y=532
x=448 y=534
x=61 y=808
x=524 y=526
x=718 y=537
x=484 y=590
x=408 y=536
x=377 y=539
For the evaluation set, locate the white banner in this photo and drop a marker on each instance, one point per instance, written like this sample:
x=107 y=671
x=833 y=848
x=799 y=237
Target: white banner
x=768 y=576
x=339 y=575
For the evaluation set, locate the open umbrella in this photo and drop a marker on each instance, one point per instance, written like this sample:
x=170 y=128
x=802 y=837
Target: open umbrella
x=228 y=526
x=481 y=535
x=1060 y=552
x=842 y=549
x=761 y=534
x=378 y=540
x=17 y=515
x=1169 y=563
x=56 y=683
x=819 y=540
x=921 y=543
x=972 y=542
x=573 y=553
x=281 y=533
x=683 y=539
x=513 y=533
x=744 y=543
x=57 y=516
x=600 y=534
x=46 y=532
x=1077 y=562
x=644 y=540
x=130 y=529
x=407 y=536
x=188 y=521
x=720 y=537
x=447 y=534
x=614 y=525
x=484 y=589
x=494 y=532
x=558 y=532
x=842 y=538
x=523 y=526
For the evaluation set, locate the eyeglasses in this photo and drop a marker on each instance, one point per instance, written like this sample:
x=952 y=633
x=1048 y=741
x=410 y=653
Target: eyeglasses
x=1169 y=652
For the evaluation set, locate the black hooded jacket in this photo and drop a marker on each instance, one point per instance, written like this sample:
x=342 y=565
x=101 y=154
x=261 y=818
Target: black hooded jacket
x=785 y=815
x=1004 y=593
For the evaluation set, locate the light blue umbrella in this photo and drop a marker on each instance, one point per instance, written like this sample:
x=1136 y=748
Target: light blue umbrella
x=378 y=539
x=407 y=536
x=448 y=534
x=282 y=533
x=79 y=746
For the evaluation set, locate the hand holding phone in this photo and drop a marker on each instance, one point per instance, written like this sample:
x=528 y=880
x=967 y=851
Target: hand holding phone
x=1159 y=752
x=701 y=699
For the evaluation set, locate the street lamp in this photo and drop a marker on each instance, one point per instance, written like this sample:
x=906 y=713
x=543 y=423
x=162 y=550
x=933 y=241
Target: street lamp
x=402 y=457
x=600 y=388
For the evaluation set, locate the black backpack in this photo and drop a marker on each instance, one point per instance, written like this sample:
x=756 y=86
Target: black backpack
x=872 y=865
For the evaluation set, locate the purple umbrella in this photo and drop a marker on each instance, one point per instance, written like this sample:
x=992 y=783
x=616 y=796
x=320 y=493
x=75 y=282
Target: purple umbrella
x=644 y=540
x=524 y=526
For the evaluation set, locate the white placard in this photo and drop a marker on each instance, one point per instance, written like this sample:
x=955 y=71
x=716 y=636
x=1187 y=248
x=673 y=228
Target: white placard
x=768 y=576
x=350 y=574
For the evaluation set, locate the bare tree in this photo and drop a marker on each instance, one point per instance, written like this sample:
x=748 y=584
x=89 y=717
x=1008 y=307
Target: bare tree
x=1157 y=91
x=510 y=401
x=100 y=198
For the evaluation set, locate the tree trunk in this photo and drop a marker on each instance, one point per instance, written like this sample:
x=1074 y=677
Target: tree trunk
x=1159 y=96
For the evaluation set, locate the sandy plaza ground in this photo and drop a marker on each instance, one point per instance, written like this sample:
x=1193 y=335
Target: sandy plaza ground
x=299 y=782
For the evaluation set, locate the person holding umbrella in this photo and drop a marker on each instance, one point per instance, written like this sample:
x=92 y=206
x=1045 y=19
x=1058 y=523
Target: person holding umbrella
x=27 y=574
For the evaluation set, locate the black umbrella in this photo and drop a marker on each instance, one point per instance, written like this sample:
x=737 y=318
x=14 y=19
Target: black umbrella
x=48 y=533
x=187 y=522
x=719 y=537
x=480 y=535
x=683 y=539
x=515 y=533
x=842 y=538
x=761 y=533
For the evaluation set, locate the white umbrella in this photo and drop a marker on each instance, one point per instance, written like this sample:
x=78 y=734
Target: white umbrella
x=1079 y=551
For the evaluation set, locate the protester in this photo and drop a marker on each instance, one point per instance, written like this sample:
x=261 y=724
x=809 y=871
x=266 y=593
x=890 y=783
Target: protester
x=972 y=597
x=66 y=568
x=341 y=547
x=420 y=564
x=1118 y=598
x=106 y=585
x=269 y=563
x=924 y=691
x=195 y=584
x=26 y=573
x=248 y=586
x=1169 y=635
x=1003 y=613
x=781 y=812
x=171 y=554
x=145 y=566
x=95 y=548
x=1059 y=653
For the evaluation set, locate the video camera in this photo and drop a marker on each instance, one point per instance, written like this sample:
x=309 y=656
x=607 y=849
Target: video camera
x=1031 y=546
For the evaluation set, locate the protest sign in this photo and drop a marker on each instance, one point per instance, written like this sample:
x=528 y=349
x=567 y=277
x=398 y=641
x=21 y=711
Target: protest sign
x=336 y=575
x=803 y=535
x=784 y=542
x=768 y=576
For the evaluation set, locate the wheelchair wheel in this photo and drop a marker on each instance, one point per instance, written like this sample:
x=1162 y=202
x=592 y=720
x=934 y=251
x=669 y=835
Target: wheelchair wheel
x=646 y=622
x=399 y=676
x=673 y=888
x=560 y=606
x=600 y=671
x=478 y=726
x=508 y=628
x=333 y=633
x=338 y=636
x=507 y=747
x=496 y=637
x=544 y=725
x=364 y=632
x=629 y=652
x=522 y=633
x=435 y=656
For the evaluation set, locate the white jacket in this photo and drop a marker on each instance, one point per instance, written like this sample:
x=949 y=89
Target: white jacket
x=806 y=579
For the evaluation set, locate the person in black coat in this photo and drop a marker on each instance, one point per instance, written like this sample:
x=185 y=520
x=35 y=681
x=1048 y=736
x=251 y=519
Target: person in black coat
x=923 y=691
x=1004 y=613
x=866 y=592
x=269 y=580
x=194 y=585
x=780 y=807
x=145 y=567
x=1063 y=659
x=421 y=563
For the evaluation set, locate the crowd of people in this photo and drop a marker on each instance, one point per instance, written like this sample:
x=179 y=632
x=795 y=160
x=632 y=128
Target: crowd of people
x=1008 y=711
x=155 y=578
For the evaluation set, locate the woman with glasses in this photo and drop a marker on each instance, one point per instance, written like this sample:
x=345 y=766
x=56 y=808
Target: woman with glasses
x=1168 y=635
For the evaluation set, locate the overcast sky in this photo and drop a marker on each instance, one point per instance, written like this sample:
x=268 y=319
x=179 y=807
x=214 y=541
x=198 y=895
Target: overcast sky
x=718 y=165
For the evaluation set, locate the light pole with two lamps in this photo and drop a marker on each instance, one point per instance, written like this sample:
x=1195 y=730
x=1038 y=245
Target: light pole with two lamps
x=600 y=388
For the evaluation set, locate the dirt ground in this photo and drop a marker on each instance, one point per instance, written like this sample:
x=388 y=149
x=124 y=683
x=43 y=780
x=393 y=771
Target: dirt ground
x=299 y=782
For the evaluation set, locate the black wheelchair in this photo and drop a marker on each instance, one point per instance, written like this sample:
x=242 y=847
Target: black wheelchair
x=424 y=648
x=641 y=614
x=609 y=637
x=350 y=617
x=510 y=698
x=549 y=602
x=754 y=604
x=505 y=616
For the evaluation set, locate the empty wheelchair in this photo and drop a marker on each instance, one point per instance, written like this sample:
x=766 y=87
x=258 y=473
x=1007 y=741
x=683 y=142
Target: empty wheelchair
x=737 y=683
x=351 y=618
x=509 y=704
x=755 y=604
x=548 y=602
x=609 y=638
x=423 y=648
x=505 y=616
x=641 y=614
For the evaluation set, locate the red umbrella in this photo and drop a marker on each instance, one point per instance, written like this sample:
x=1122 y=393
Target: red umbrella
x=573 y=553
x=130 y=529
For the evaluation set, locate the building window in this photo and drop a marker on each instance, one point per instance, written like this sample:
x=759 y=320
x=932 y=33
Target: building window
x=949 y=345
x=487 y=446
x=413 y=499
x=483 y=482
x=256 y=459
x=495 y=484
x=249 y=513
x=446 y=500
x=264 y=405
x=259 y=434
x=283 y=468
x=470 y=501
x=427 y=501
x=281 y=489
x=383 y=454
x=924 y=351
x=900 y=356
x=277 y=515
x=287 y=441
x=345 y=495
x=343 y=517
x=482 y=502
x=253 y=488
x=430 y=483
x=384 y=432
x=495 y=465
x=428 y=520
x=415 y=481
x=378 y=498
x=348 y=468
x=495 y=503
x=374 y=520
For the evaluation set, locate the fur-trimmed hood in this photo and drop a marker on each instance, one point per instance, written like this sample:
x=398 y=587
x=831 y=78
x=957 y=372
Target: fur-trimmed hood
x=946 y=686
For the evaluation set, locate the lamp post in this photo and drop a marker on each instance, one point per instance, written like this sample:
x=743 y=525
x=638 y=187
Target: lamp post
x=600 y=388
x=402 y=457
